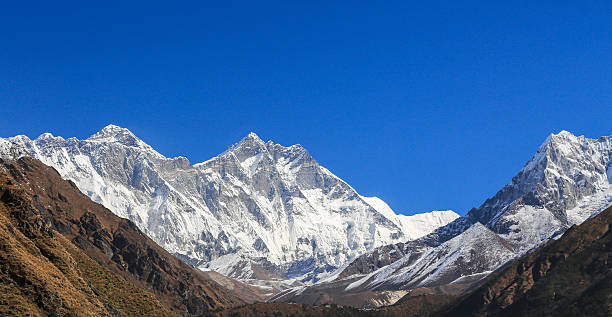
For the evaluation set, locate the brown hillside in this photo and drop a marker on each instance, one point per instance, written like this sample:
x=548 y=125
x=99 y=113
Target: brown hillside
x=42 y=273
x=115 y=243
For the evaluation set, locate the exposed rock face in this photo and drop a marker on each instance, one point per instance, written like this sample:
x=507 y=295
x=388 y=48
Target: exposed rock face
x=257 y=211
x=374 y=260
x=114 y=243
x=477 y=250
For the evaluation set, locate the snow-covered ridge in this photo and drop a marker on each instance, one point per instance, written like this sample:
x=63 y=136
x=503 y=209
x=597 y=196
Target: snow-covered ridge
x=474 y=251
x=416 y=225
x=259 y=210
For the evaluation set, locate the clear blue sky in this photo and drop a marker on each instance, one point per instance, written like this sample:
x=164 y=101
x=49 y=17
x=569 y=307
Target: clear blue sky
x=428 y=105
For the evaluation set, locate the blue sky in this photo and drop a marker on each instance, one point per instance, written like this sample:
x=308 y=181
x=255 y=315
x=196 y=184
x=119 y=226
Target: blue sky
x=430 y=105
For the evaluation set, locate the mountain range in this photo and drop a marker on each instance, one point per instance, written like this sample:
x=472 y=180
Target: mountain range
x=259 y=211
x=272 y=217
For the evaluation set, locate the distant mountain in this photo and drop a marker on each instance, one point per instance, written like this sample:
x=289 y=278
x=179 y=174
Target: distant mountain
x=63 y=254
x=259 y=211
x=567 y=181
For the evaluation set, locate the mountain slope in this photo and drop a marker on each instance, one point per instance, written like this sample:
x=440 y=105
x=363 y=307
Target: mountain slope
x=460 y=261
x=42 y=273
x=258 y=211
x=114 y=243
x=477 y=250
x=571 y=276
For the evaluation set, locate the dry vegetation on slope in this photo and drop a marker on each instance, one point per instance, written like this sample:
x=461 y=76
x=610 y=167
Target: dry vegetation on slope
x=42 y=273
x=118 y=248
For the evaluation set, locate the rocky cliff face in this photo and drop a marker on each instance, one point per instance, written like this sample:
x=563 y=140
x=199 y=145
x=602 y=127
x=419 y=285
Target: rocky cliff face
x=257 y=211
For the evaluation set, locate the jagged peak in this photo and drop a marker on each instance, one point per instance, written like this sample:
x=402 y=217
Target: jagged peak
x=45 y=135
x=553 y=140
x=250 y=141
x=564 y=136
x=564 y=132
x=111 y=131
x=19 y=138
x=117 y=134
x=252 y=135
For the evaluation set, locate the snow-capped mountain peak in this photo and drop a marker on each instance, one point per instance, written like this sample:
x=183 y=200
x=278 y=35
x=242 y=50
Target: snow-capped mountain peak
x=113 y=133
x=47 y=136
x=564 y=170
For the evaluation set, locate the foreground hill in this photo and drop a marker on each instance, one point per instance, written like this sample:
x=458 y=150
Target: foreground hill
x=54 y=234
x=42 y=273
